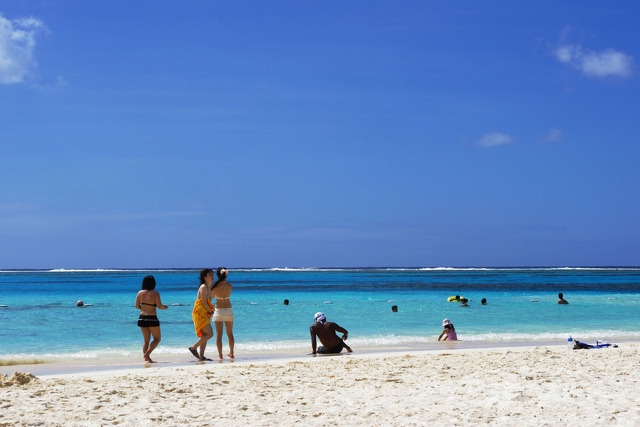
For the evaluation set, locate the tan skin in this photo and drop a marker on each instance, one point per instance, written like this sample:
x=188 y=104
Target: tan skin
x=444 y=333
x=149 y=297
x=223 y=290
x=204 y=294
x=448 y=329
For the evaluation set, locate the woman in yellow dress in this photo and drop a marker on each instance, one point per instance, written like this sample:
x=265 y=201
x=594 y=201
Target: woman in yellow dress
x=202 y=311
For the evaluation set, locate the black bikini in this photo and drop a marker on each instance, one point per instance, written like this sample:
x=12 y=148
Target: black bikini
x=146 y=321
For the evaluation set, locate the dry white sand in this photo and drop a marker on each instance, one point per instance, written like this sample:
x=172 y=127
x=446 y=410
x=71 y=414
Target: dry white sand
x=513 y=386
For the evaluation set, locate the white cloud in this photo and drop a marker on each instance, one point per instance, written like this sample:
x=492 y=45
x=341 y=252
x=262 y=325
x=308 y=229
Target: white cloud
x=494 y=139
x=608 y=62
x=17 y=44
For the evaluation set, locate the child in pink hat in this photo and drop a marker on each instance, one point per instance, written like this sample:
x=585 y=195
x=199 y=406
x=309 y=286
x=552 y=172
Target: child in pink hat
x=449 y=331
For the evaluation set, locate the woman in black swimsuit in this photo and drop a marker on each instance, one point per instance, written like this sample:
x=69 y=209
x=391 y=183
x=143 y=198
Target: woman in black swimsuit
x=147 y=301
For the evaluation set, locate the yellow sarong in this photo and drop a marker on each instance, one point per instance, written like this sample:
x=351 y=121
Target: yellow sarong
x=201 y=317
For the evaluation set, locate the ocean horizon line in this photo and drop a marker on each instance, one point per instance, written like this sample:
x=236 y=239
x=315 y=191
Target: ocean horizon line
x=303 y=269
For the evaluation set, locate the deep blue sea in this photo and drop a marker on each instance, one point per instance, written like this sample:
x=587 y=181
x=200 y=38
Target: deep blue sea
x=39 y=319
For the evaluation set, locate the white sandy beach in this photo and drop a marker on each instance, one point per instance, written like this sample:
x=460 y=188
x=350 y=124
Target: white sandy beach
x=508 y=386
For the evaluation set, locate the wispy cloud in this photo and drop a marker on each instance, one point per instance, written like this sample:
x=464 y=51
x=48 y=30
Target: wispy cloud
x=608 y=62
x=554 y=136
x=17 y=44
x=139 y=216
x=31 y=217
x=494 y=139
x=59 y=83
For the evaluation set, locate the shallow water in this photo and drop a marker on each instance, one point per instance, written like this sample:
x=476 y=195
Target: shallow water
x=42 y=323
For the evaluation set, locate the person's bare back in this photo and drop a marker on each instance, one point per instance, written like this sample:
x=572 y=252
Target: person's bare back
x=326 y=333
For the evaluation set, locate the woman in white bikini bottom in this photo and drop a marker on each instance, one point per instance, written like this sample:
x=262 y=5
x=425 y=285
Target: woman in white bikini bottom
x=223 y=315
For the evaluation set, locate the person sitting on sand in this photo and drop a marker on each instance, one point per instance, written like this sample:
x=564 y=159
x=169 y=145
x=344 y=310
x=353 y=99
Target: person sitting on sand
x=202 y=312
x=148 y=320
x=449 y=331
x=561 y=299
x=224 y=314
x=326 y=333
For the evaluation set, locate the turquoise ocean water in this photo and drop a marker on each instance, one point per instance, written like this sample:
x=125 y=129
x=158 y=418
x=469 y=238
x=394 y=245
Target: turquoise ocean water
x=39 y=319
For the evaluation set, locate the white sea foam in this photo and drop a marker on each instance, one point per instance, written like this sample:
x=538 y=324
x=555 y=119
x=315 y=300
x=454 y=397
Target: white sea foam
x=523 y=269
x=302 y=269
x=455 y=269
x=326 y=269
x=108 y=270
x=408 y=340
x=71 y=270
x=559 y=336
x=26 y=358
x=265 y=348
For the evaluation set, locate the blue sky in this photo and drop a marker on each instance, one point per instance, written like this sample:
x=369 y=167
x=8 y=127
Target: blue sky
x=310 y=134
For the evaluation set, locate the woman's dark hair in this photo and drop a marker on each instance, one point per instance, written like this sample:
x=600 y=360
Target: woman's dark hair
x=149 y=283
x=222 y=276
x=203 y=274
x=449 y=326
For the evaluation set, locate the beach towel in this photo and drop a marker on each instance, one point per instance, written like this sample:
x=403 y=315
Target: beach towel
x=201 y=317
x=583 y=346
